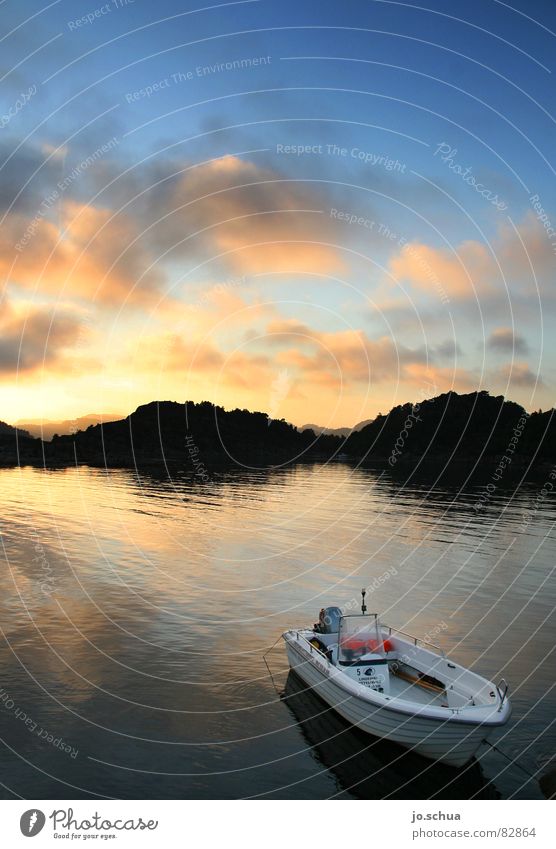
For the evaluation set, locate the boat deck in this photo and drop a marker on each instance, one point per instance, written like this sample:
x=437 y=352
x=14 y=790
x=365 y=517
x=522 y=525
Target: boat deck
x=402 y=689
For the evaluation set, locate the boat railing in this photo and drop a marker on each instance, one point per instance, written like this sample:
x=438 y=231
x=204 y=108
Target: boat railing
x=416 y=640
x=298 y=631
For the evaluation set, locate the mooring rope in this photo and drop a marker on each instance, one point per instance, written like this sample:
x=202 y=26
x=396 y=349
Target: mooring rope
x=268 y=667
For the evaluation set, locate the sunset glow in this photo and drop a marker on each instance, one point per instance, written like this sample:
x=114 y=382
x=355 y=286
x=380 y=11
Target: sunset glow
x=318 y=236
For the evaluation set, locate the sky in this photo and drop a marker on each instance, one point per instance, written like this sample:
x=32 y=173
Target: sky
x=318 y=210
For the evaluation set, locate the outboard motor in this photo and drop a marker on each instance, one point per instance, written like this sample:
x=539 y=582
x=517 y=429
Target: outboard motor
x=329 y=620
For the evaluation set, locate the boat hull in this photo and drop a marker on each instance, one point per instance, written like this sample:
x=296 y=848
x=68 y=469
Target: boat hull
x=449 y=741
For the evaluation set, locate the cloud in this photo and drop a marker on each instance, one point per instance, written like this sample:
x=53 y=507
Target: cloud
x=87 y=254
x=449 y=349
x=519 y=374
x=171 y=352
x=516 y=264
x=39 y=338
x=343 y=356
x=212 y=346
x=434 y=379
x=439 y=271
x=526 y=253
x=504 y=339
x=230 y=212
x=208 y=341
x=17 y=170
x=261 y=221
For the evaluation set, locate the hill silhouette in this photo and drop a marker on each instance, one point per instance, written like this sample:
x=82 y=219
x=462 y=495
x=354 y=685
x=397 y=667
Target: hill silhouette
x=12 y=439
x=10 y=430
x=192 y=433
x=460 y=428
x=449 y=430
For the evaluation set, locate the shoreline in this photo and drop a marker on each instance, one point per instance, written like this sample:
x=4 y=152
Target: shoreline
x=475 y=469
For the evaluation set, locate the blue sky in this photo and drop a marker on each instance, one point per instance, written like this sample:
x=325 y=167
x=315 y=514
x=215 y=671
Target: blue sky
x=316 y=209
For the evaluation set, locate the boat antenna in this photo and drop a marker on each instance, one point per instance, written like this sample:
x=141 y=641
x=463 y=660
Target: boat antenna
x=363 y=605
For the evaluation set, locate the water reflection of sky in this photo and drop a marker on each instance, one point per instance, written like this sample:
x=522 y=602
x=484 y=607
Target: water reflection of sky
x=147 y=652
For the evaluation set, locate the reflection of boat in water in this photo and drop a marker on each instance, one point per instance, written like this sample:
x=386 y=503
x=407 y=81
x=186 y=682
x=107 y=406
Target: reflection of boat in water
x=370 y=768
x=396 y=686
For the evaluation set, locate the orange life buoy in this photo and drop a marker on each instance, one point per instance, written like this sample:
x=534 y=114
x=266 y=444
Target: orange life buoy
x=353 y=644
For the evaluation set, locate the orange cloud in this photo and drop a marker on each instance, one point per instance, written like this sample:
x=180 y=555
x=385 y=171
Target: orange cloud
x=170 y=352
x=349 y=354
x=284 y=257
x=434 y=379
x=439 y=271
x=473 y=269
x=89 y=255
x=34 y=338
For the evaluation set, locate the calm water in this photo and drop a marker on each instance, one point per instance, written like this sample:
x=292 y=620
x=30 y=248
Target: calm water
x=135 y=612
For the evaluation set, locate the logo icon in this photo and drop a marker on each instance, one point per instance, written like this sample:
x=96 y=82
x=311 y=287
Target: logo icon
x=32 y=822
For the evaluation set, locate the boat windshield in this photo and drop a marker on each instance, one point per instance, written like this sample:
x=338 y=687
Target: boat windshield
x=359 y=635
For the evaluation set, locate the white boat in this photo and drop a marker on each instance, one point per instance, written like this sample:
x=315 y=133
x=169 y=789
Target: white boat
x=395 y=686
